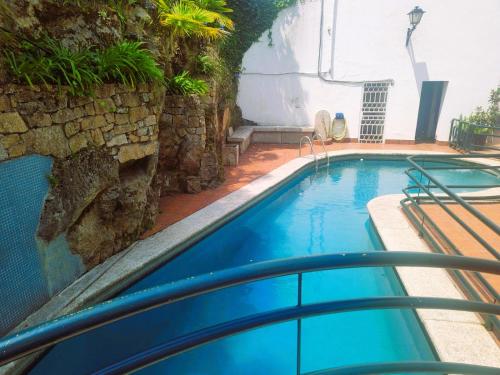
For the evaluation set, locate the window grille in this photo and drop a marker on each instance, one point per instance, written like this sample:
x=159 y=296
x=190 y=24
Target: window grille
x=373 y=112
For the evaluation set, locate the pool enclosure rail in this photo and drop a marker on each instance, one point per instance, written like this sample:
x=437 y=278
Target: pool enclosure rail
x=45 y=335
x=467 y=136
x=427 y=190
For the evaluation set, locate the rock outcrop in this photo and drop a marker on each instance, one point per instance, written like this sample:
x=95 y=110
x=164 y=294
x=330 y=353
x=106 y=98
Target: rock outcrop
x=104 y=193
x=191 y=137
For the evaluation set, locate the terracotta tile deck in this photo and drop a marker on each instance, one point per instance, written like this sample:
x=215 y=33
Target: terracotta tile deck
x=467 y=244
x=258 y=160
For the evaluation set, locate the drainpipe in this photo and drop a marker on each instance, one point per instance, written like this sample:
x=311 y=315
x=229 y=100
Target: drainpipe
x=322 y=75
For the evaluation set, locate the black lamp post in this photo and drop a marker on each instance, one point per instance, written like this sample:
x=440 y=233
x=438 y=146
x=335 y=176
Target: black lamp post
x=415 y=17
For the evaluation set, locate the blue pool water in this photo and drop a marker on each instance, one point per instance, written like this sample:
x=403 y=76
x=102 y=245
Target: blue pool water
x=316 y=213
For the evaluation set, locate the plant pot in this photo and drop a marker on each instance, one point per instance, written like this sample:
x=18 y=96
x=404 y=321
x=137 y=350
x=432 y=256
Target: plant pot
x=478 y=140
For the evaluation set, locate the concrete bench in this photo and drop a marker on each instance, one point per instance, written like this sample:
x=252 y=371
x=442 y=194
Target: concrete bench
x=245 y=135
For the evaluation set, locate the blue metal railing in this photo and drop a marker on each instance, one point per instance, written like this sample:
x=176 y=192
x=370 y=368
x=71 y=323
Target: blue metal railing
x=50 y=333
x=427 y=190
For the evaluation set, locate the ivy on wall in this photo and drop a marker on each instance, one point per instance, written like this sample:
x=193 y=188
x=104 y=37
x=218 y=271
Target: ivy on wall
x=251 y=19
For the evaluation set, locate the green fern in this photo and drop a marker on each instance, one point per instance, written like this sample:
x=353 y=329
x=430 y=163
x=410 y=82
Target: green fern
x=184 y=84
x=128 y=63
x=48 y=62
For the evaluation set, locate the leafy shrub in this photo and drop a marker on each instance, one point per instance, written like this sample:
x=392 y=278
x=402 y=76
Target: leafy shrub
x=489 y=117
x=49 y=62
x=128 y=63
x=184 y=84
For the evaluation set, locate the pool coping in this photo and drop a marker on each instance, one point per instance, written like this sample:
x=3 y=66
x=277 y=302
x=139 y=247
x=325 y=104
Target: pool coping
x=457 y=336
x=141 y=258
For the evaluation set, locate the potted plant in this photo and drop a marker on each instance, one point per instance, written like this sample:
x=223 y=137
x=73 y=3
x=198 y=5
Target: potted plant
x=481 y=124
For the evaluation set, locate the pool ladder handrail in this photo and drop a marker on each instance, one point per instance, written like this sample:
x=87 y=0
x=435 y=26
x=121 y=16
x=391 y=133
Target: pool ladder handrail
x=320 y=137
x=310 y=145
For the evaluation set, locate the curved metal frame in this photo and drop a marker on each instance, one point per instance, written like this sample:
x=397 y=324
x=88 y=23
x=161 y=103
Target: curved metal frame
x=213 y=333
x=409 y=367
x=320 y=137
x=31 y=340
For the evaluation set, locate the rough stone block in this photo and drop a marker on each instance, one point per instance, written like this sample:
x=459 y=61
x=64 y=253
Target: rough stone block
x=94 y=122
x=78 y=142
x=39 y=120
x=117 y=140
x=89 y=109
x=77 y=101
x=102 y=106
x=12 y=122
x=71 y=128
x=27 y=108
x=133 y=138
x=142 y=132
x=96 y=137
x=10 y=140
x=121 y=110
x=121 y=118
x=4 y=103
x=17 y=150
x=110 y=118
x=65 y=115
x=47 y=141
x=122 y=129
x=138 y=113
x=136 y=151
x=130 y=99
x=150 y=120
x=118 y=100
x=105 y=91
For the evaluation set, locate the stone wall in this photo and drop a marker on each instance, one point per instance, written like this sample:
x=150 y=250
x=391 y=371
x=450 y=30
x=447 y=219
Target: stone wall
x=105 y=150
x=191 y=136
x=43 y=120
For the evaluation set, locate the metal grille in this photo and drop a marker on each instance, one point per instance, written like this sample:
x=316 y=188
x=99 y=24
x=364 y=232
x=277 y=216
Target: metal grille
x=373 y=112
x=23 y=288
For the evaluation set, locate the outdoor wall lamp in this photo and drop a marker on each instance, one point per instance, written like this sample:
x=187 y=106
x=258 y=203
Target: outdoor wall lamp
x=415 y=17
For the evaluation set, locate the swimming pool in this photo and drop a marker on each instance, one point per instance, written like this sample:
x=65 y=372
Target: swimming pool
x=315 y=213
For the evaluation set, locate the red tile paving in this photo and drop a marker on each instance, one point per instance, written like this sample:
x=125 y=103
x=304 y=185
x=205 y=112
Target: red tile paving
x=258 y=160
x=465 y=242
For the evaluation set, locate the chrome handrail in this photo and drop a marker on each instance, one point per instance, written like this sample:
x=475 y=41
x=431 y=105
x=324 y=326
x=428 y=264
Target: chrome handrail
x=320 y=137
x=311 y=147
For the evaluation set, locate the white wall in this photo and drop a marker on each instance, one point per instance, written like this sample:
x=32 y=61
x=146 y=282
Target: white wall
x=457 y=41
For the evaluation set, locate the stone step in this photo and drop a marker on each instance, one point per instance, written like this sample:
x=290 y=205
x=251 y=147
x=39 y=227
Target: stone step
x=242 y=136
